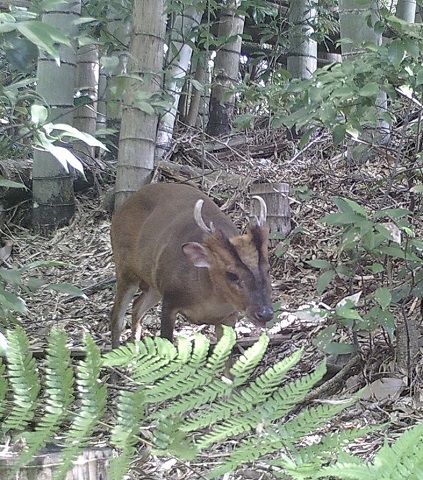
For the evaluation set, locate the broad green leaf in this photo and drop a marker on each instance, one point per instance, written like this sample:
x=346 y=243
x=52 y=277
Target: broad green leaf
x=347 y=311
x=377 y=268
x=396 y=52
x=11 y=302
x=393 y=213
x=395 y=252
x=319 y=263
x=65 y=157
x=42 y=263
x=145 y=107
x=39 y=114
x=355 y=207
x=7 y=17
x=10 y=184
x=370 y=89
x=341 y=218
x=66 y=288
x=339 y=133
x=75 y=133
x=383 y=297
x=197 y=85
x=417 y=189
x=11 y=276
x=37 y=33
x=324 y=280
x=34 y=283
x=419 y=77
x=336 y=348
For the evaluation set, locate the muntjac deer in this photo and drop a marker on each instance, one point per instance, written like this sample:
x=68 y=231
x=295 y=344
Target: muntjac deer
x=174 y=244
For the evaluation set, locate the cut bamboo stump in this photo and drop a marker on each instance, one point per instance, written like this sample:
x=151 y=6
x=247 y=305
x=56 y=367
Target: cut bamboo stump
x=276 y=197
x=91 y=465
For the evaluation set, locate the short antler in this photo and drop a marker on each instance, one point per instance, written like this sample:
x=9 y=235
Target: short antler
x=263 y=211
x=199 y=218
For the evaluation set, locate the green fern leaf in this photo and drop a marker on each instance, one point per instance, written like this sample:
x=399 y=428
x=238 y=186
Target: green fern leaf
x=307 y=461
x=400 y=461
x=245 y=365
x=246 y=399
x=145 y=360
x=24 y=380
x=286 y=398
x=275 y=407
x=170 y=439
x=310 y=419
x=352 y=471
x=272 y=437
x=58 y=396
x=92 y=405
x=181 y=376
x=203 y=384
x=125 y=433
x=222 y=350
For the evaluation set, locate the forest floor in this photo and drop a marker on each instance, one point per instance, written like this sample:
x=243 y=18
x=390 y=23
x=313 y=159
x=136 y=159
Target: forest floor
x=315 y=174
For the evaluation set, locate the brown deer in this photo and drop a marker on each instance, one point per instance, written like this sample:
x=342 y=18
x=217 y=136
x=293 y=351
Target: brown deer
x=174 y=244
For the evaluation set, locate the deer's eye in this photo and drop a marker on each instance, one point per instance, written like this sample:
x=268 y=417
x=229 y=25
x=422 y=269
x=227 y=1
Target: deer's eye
x=232 y=277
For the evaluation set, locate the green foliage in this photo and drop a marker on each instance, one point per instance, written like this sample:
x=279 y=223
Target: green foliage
x=401 y=461
x=179 y=393
x=15 y=284
x=383 y=246
x=344 y=97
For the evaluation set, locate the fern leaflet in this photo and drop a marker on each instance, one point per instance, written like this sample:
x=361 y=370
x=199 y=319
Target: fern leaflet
x=92 y=397
x=246 y=399
x=245 y=365
x=58 y=396
x=24 y=380
x=125 y=432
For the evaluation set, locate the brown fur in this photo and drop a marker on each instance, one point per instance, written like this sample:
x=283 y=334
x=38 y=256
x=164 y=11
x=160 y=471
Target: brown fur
x=156 y=244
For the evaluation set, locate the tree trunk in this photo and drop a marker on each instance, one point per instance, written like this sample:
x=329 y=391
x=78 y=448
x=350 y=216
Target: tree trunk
x=53 y=197
x=354 y=26
x=226 y=69
x=139 y=129
x=176 y=70
x=193 y=119
x=302 y=54
x=86 y=113
x=406 y=10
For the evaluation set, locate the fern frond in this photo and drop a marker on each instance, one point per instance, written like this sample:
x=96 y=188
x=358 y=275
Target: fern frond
x=245 y=400
x=353 y=471
x=92 y=405
x=307 y=461
x=286 y=398
x=402 y=460
x=24 y=380
x=310 y=419
x=57 y=398
x=203 y=384
x=170 y=439
x=245 y=365
x=142 y=358
x=272 y=437
x=181 y=376
x=125 y=432
x=275 y=407
x=222 y=351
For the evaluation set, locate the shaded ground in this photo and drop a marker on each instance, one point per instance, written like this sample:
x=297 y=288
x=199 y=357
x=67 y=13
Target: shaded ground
x=315 y=175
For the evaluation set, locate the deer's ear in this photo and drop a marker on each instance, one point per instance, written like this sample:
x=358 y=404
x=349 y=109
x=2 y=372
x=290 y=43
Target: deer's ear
x=196 y=254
